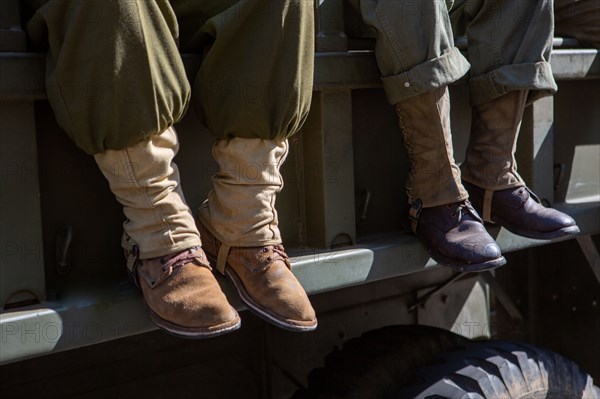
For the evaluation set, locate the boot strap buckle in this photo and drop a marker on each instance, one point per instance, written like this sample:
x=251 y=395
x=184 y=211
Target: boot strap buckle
x=487 y=206
x=132 y=254
x=414 y=213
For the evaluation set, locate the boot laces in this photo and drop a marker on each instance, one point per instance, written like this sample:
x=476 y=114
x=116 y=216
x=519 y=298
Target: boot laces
x=182 y=259
x=462 y=206
x=280 y=250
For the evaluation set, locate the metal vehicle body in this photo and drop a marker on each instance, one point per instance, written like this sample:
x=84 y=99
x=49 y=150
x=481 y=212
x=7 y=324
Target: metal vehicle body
x=71 y=323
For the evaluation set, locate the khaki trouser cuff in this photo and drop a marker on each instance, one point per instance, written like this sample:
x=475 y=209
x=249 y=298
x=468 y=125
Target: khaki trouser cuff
x=176 y=248
x=426 y=77
x=223 y=254
x=492 y=187
x=240 y=210
x=537 y=77
x=448 y=199
x=204 y=218
x=145 y=180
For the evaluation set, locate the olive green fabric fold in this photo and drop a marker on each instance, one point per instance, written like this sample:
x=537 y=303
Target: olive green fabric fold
x=256 y=78
x=509 y=46
x=115 y=75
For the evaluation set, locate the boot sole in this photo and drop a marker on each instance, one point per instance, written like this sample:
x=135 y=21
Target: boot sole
x=539 y=235
x=261 y=311
x=192 y=332
x=467 y=267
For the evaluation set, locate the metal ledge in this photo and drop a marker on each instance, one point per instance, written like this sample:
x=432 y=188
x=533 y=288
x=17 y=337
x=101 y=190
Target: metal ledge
x=103 y=311
x=22 y=74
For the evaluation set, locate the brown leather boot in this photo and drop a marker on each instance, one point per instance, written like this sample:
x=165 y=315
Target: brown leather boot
x=441 y=215
x=263 y=278
x=181 y=293
x=490 y=173
x=239 y=227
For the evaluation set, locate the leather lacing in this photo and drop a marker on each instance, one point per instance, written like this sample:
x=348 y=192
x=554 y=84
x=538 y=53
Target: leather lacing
x=459 y=210
x=277 y=253
x=183 y=258
x=409 y=151
x=280 y=250
x=171 y=263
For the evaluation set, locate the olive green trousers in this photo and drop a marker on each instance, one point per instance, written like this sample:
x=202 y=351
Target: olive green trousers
x=110 y=59
x=115 y=75
x=115 y=78
x=117 y=84
x=509 y=45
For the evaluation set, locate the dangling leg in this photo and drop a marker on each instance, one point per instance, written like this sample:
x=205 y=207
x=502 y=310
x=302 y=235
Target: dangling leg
x=442 y=217
x=417 y=58
x=490 y=173
x=254 y=92
x=162 y=243
x=117 y=100
x=509 y=48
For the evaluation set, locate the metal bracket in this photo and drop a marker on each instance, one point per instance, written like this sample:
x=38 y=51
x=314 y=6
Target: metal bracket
x=489 y=279
x=422 y=300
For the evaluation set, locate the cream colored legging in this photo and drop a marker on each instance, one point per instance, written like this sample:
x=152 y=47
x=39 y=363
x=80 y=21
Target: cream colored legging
x=145 y=181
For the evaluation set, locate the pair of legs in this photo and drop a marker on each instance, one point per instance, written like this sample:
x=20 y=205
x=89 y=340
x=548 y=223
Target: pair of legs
x=117 y=84
x=253 y=102
x=509 y=45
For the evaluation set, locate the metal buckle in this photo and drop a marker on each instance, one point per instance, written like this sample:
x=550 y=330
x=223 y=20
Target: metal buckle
x=414 y=213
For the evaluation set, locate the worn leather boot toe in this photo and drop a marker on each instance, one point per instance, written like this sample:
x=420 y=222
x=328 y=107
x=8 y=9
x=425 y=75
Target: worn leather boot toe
x=182 y=295
x=265 y=282
x=521 y=212
x=455 y=237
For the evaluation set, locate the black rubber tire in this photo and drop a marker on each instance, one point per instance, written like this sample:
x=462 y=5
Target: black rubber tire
x=425 y=362
x=378 y=363
x=501 y=369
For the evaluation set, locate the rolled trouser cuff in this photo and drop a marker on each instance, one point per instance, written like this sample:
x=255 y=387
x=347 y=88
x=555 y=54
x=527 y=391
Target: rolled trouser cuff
x=536 y=77
x=426 y=77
